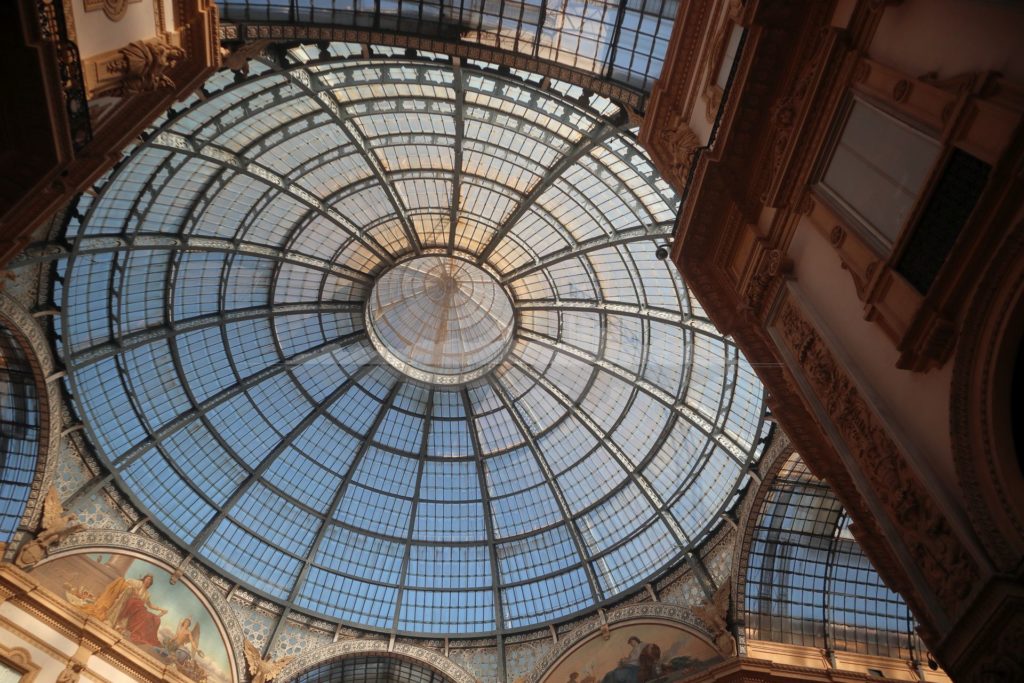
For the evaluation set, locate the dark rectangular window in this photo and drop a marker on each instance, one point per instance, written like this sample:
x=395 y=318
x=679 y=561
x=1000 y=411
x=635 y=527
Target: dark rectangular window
x=956 y=193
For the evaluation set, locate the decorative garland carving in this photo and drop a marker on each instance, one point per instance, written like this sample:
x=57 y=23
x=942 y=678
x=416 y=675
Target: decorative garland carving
x=114 y=9
x=658 y=610
x=947 y=567
x=676 y=148
x=169 y=558
x=356 y=647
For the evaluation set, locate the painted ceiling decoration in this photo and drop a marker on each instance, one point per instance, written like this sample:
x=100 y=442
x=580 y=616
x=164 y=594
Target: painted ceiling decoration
x=386 y=341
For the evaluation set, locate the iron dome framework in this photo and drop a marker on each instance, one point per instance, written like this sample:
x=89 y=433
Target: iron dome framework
x=212 y=324
x=809 y=583
x=623 y=42
x=362 y=669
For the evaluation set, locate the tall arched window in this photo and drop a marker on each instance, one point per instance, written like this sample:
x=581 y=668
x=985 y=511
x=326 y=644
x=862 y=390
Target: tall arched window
x=19 y=433
x=370 y=670
x=809 y=583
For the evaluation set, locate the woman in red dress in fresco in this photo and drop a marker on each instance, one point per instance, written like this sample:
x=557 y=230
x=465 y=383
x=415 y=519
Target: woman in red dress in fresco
x=125 y=605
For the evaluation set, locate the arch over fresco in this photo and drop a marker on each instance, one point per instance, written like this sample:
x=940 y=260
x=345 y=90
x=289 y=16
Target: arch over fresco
x=376 y=648
x=32 y=340
x=655 y=623
x=187 y=575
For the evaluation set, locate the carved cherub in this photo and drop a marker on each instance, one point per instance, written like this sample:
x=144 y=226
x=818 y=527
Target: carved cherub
x=263 y=670
x=57 y=524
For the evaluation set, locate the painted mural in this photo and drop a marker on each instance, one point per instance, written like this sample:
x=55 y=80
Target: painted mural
x=635 y=652
x=138 y=599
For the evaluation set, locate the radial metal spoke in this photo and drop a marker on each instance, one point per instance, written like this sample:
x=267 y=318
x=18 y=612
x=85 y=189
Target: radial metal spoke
x=149 y=335
x=553 y=487
x=602 y=133
x=677 y=406
x=225 y=157
x=659 y=505
x=196 y=413
x=638 y=233
x=310 y=82
x=701 y=325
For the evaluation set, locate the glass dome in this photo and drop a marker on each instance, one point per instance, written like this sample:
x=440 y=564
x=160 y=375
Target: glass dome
x=439 y=319
x=213 y=324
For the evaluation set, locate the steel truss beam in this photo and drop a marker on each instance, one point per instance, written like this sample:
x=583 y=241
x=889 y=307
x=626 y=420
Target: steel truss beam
x=403 y=571
x=460 y=135
x=697 y=324
x=311 y=84
x=104 y=244
x=227 y=394
x=325 y=522
x=218 y=155
x=485 y=502
x=284 y=442
x=660 y=506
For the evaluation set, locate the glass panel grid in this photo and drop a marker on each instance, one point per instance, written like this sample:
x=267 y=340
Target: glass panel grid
x=808 y=582
x=231 y=333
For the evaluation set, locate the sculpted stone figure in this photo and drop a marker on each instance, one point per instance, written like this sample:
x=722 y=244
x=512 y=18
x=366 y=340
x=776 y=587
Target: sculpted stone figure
x=263 y=670
x=715 y=613
x=56 y=525
x=147 y=64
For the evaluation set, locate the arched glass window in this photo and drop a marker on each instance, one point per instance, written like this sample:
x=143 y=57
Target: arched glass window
x=808 y=582
x=370 y=670
x=19 y=433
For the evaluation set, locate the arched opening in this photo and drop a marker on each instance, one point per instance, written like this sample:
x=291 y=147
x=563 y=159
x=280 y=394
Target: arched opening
x=375 y=669
x=19 y=432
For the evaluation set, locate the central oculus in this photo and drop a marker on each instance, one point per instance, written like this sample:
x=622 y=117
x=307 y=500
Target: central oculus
x=440 y=319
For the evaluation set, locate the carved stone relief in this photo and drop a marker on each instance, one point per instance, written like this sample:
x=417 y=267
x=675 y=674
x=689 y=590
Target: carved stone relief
x=114 y=9
x=945 y=564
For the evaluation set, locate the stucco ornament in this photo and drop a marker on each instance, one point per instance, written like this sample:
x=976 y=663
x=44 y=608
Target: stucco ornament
x=113 y=9
x=677 y=146
x=715 y=613
x=57 y=524
x=146 y=66
x=263 y=670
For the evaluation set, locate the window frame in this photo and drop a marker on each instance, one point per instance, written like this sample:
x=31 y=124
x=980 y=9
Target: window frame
x=884 y=248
